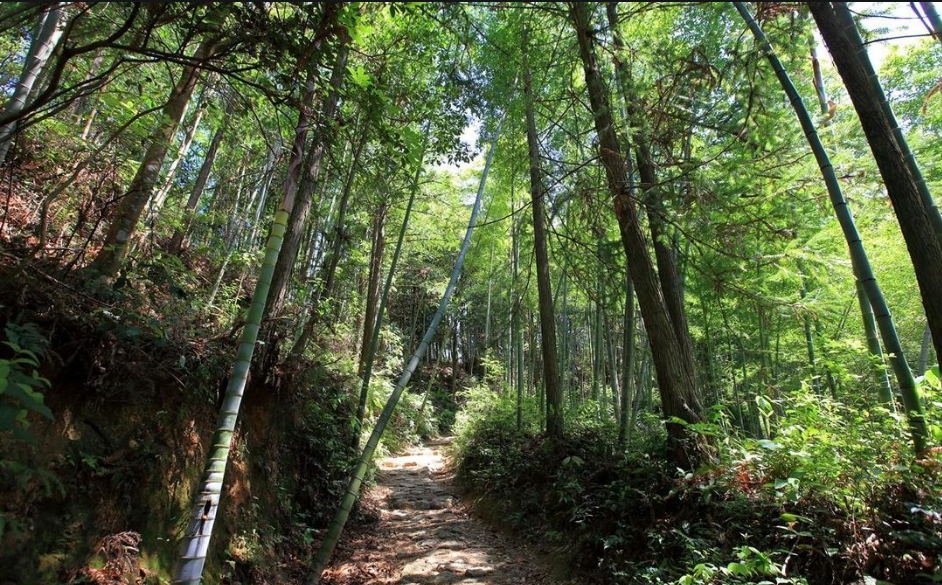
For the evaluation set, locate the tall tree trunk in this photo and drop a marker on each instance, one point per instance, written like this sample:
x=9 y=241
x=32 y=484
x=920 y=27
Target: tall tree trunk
x=44 y=39
x=554 y=397
x=935 y=23
x=516 y=304
x=248 y=241
x=322 y=140
x=519 y=366
x=340 y=227
x=664 y=248
x=377 y=249
x=675 y=370
x=866 y=311
x=627 y=377
x=195 y=545
x=858 y=255
x=612 y=369
x=565 y=337
x=160 y=197
x=128 y=213
x=179 y=235
x=596 y=340
x=487 y=311
x=915 y=209
x=371 y=344
x=353 y=487
x=337 y=242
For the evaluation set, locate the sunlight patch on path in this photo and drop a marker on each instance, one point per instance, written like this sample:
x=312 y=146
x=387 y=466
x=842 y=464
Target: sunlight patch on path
x=425 y=536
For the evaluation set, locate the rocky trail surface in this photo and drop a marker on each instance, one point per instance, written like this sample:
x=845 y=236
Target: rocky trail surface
x=425 y=535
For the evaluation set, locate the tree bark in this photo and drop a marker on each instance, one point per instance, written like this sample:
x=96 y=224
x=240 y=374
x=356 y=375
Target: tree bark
x=45 y=37
x=325 y=283
x=918 y=218
x=664 y=250
x=125 y=219
x=627 y=377
x=554 y=397
x=858 y=255
x=339 y=238
x=179 y=235
x=195 y=546
x=377 y=249
x=159 y=198
x=299 y=215
x=680 y=396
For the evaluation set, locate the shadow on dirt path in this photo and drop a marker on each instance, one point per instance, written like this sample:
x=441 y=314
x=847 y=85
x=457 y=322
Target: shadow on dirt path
x=425 y=535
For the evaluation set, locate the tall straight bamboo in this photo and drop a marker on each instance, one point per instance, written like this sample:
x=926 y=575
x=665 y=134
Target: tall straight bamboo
x=321 y=143
x=513 y=352
x=915 y=210
x=45 y=38
x=639 y=140
x=160 y=197
x=370 y=353
x=858 y=255
x=676 y=371
x=179 y=235
x=885 y=392
x=353 y=487
x=326 y=280
x=846 y=21
x=195 y=546
x=628 y=362
x=128 y=212
x=554 y=396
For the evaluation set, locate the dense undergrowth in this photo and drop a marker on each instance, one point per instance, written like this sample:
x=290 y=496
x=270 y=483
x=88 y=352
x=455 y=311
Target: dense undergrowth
x=105 y=438
x=831 y=497
x=112 y=398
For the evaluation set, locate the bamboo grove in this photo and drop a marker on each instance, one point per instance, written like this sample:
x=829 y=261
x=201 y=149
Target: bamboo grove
x=691 y=220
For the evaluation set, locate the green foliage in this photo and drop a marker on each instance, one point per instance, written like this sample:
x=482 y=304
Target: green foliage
x=21 y=385
x=763 y=513
x=798 y=474
x=752 y=564
x=21 y=394
x=930 y=388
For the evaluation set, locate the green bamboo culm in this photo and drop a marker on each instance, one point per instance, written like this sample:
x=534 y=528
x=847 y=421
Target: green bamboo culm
x=858 y=255
x=189 y=569
x=885 y=390
x=809 y=336
x=377 y=327
x=353 y=487
x=850 y=28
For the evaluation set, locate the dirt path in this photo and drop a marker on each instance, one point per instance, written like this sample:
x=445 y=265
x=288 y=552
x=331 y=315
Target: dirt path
x=425 y=535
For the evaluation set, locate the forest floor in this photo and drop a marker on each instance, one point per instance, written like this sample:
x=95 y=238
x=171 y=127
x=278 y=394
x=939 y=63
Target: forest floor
x=426 y=535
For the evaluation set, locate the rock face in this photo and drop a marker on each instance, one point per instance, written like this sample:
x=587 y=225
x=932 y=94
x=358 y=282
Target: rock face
x=426 y=537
